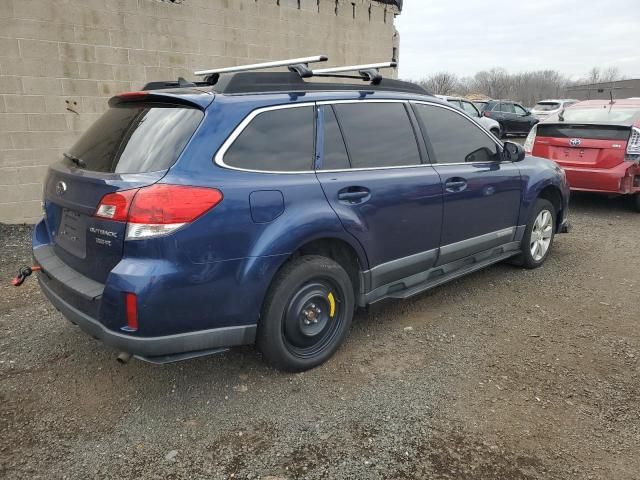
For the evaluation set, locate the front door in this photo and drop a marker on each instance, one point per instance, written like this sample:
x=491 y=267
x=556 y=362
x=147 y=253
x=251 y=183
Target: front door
x=481 y=200
x=369 y=166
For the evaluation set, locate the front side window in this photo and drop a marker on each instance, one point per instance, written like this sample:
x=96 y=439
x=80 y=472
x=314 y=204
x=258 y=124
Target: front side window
x=470 y=109
x=454 y=138
x=275 y=141
x=520 y=110
x=378 y=134
x=506 y=107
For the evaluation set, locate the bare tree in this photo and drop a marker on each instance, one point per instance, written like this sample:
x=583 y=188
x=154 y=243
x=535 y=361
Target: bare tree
x=442 y=83
x=598 y=75
x=527 y=88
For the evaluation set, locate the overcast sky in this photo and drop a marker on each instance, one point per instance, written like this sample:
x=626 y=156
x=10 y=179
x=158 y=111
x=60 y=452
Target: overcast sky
x=466 y=36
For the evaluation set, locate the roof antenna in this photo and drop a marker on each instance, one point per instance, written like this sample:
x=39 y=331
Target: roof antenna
x=611 y=95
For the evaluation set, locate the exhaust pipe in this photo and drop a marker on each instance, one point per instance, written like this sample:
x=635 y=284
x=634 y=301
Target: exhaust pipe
x=123 y=358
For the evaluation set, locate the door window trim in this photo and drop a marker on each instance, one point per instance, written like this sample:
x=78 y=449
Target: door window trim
x=467 y=118
x=219 y=156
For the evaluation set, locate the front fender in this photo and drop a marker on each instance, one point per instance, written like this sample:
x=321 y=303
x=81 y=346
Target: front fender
x=538 y=174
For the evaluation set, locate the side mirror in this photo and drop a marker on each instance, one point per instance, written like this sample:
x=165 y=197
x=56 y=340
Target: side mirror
x=513 y=152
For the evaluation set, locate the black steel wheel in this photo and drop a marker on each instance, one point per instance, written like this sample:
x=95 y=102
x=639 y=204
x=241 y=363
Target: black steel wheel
x=307 y=313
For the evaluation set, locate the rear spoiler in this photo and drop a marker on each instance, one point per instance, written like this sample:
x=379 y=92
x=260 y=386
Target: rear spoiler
x=191 y=97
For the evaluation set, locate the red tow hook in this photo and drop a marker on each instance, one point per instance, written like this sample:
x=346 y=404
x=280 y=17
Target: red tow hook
x=23 y=273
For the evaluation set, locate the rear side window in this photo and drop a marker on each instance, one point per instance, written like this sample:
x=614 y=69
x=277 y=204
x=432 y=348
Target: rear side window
x=454 y=138
x=378 y=134
x=136 y=138
x=334 y=152
x=547 y=106
x=275 y=141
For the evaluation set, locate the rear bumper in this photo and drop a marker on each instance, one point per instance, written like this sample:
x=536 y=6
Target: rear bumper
x=153 y=346
x=617 y=180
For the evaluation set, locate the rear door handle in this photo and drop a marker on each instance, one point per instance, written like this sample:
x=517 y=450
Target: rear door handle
x=354 y=194
x=455 y=184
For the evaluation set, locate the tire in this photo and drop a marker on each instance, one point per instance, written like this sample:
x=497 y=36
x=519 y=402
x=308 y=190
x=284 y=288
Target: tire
x=495 y=132
x=537 y=233
x=636 y=202
x=306 y=315
x=503 y=132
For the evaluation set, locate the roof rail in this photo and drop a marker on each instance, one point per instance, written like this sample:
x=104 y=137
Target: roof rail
x=261 y=66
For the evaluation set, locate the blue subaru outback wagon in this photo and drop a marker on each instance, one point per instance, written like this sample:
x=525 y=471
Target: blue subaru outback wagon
x=265 y=207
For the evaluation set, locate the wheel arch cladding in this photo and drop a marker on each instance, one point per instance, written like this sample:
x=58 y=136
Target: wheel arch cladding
x=337 y=249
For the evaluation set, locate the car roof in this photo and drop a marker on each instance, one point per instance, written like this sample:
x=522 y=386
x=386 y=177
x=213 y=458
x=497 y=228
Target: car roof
x=557 y=100
x=621 y=103
x=453 y=97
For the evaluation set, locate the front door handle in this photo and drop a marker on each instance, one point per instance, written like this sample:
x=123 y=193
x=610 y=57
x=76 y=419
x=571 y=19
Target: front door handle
x=354 y=195
x=455 y=184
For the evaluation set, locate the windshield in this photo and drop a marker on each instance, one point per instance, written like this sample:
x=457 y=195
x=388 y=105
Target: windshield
x=546 y=106
x=135 y=138
x=605 y=114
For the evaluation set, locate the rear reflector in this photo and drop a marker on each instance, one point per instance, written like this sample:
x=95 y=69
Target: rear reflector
x=131 y=310
x=158 y=209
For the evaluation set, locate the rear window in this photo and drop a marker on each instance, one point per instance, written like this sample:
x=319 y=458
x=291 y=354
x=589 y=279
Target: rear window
x=136 y=138
x=546 y=106
x=594 y=132
x=605 y=115
x=276 y=141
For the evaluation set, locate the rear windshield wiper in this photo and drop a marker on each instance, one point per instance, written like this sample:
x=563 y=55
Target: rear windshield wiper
x=76 y=160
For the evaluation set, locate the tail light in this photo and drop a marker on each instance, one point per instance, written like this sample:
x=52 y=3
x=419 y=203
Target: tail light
x=487 y=113
x=159 y=209
x=531 y=140
x=633 y=146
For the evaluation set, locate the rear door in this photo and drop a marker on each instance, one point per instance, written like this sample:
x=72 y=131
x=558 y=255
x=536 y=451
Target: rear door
x=523 y=120
x=482 y=194
x=371 y=171
x=130 y=146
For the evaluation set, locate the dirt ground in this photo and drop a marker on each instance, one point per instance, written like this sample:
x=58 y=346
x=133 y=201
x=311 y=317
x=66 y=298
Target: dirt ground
x=505 y=374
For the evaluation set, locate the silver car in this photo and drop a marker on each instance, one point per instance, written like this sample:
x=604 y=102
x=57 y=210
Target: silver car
x=545 y=108
x=468 y=107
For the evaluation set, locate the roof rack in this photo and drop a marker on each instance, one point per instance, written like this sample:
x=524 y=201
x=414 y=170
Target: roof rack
x=370 y=72
x=244 y=79
x=294 y=62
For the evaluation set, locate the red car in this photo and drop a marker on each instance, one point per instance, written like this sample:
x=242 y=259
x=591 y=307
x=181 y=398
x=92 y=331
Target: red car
x=597 y=143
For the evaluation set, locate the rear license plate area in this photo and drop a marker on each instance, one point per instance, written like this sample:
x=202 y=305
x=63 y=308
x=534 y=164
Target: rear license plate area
x=578 y=155
x=72 y=234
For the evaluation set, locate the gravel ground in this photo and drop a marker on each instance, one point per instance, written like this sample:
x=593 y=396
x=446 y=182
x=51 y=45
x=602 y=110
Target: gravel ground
x=505 y=374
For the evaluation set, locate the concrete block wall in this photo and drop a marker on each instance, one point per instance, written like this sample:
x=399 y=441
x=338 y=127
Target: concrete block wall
x=60 y=61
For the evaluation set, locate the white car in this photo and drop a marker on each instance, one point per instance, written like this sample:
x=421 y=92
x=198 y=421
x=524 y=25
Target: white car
x=544 y=108
x=468 y=107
